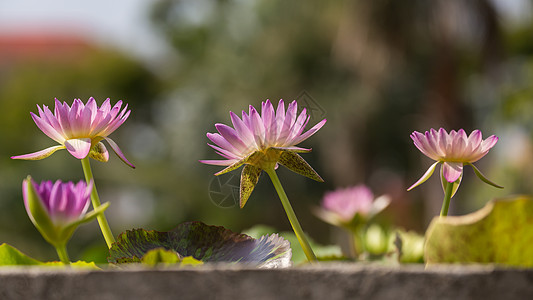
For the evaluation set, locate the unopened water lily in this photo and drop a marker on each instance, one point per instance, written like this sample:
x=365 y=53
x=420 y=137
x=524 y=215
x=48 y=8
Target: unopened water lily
x=58 y=208
x=351 y=206
x=262 y=141
x=453 y=150
x=80 y=128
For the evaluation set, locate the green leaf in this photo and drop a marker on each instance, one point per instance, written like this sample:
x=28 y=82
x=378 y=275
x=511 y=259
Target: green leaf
x=249 y=178
x=11 y=256
x=500 y=232
x=297 y=164
x=205 y=243
x=160 y=255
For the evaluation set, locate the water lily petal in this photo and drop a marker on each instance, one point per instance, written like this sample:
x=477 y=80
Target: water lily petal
x=39 y=154
x=424 y=177
x=455 y=184
x=310 y=132
x=482 y=177
x=79 y=148
x=452 y=170
x=118 y=152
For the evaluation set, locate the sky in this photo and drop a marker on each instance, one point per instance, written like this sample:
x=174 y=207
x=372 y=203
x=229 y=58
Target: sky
x=121 y=23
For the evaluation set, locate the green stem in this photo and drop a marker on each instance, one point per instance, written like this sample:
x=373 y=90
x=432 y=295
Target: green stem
x=292 y=216
x=358 y=246
x=63 y=254
x=447 y=198
x=95 y=200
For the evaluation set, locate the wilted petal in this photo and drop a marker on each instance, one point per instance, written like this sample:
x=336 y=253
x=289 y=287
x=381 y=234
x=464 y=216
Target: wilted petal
x=39 y=154
x=118 y=152
x=249 y=177
x=79 y=148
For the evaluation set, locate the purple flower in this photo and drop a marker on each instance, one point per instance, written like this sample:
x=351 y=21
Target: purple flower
x=80 y=128
x=64 y=202
x=261 y=141
x=453 y=150
x=346 y=206
x=56 y=209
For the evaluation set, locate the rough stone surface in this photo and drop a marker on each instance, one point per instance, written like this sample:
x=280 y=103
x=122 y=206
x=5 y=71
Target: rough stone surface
x=324 y=281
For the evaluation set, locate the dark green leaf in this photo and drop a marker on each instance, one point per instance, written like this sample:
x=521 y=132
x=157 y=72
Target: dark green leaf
x=205 y=243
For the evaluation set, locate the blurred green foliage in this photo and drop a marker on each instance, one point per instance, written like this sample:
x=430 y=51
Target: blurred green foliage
x=377 y=70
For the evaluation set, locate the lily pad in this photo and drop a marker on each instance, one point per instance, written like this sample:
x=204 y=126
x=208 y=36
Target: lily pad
x=205 y=243
x=11 y=256
x=501 y=232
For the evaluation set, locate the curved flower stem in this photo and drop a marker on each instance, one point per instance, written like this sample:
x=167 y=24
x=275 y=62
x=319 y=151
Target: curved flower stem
x=63 y=254
x=291 y=215
x=447 y=198
x=95 y=200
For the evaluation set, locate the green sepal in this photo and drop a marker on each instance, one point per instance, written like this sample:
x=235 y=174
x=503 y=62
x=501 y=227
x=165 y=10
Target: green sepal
x=425 y=177
x=99 y=152
x=294 y=162
x=455 y=183
x=231 y=167
x=482 y=177
x=38 y=213
x=249 y=178
x=68 y=230
x=293 y=150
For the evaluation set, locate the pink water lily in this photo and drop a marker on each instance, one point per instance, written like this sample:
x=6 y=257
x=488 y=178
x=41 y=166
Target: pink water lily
x=342 y=206
x=261 y=141
x=254 y=132
x=80 y=128
x=453 y=150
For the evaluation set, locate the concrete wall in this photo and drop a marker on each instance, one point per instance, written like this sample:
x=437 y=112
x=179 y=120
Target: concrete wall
x=325 y=281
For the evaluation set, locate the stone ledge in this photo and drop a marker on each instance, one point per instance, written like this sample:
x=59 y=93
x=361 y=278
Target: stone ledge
x=324 y=281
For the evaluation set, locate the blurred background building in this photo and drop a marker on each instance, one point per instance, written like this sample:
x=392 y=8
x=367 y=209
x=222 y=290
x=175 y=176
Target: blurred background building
x=377 y=70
